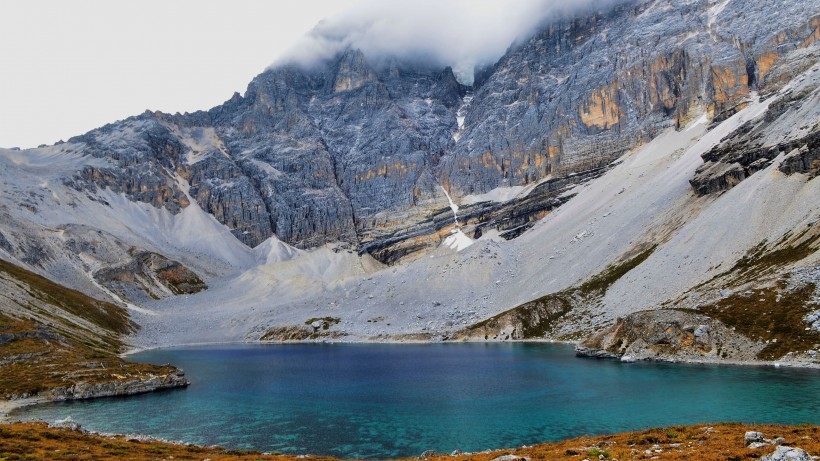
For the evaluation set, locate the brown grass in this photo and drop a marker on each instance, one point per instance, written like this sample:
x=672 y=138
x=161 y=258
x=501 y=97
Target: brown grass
x=34 y=362
x=772 y=314
x=719 y=442
x=54 y=351
x=103 y=314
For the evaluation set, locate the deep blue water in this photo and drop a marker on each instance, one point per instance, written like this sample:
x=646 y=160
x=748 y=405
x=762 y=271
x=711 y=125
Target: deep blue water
x=379 y=401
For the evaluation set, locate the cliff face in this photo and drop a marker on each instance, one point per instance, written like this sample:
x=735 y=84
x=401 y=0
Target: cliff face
x=360 y=152
x=582 y=91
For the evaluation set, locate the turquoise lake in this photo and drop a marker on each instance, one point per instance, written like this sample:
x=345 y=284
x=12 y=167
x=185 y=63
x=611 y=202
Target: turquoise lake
x=384 y=401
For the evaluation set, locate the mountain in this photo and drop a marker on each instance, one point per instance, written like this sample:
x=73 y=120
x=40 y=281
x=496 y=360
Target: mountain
x=654 y=155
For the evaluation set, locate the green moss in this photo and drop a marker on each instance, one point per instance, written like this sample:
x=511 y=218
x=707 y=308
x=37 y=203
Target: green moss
x=597 y=452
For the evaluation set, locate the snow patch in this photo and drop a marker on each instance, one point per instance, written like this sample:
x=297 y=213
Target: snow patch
x=457 y=241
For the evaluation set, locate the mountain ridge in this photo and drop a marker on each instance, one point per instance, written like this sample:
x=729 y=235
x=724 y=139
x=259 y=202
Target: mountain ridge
x=582 y=145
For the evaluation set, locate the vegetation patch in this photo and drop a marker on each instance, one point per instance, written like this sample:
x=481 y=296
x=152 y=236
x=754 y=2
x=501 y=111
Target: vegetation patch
x=599 y=284
x=103 y=314
x=771 y=314
x=44 y=345
x=764 y=260
x=323 y=322
x=717 y=442
x=536 y=318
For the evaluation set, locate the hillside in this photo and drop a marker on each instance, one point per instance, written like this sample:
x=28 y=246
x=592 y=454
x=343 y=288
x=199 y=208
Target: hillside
x=647 y=167
x=57 y=343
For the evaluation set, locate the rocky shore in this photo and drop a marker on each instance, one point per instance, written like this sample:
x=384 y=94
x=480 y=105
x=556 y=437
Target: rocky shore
x=85 y=390
x=702 y=442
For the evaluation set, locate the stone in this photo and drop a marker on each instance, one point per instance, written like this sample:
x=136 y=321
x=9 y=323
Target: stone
x=752 y=436
x=456 y=453
x=427 y=454
x=784 y=453
x=510 y=457
x=69 y=424
x=755 y=445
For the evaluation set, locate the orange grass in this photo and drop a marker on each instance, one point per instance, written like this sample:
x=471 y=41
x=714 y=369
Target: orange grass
x=724 y=442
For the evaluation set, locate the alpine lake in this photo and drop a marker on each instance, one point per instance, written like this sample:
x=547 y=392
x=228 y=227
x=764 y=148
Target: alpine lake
x=376 y=401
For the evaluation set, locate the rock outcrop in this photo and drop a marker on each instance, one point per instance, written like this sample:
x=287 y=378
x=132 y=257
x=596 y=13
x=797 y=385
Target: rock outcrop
x=85 y=390
x=788 y=127
x=671 y=335
x=150 y=274
x=784 y=453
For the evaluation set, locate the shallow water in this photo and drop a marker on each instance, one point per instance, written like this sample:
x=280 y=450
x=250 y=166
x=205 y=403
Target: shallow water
x=380 y=401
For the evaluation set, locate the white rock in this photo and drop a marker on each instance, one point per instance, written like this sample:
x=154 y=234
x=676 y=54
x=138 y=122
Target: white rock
x=784 y=453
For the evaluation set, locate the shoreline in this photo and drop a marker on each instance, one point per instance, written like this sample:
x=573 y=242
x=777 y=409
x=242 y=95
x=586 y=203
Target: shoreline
x=8 y=406
x=398 y=341
x=708 y=441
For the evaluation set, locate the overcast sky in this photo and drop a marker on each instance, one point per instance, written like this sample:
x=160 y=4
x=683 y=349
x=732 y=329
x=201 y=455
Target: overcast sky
x=67 y=67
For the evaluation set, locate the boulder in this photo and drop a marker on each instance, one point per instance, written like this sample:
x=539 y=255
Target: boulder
x=752 y=436
x=784 y=453
x=67 y=423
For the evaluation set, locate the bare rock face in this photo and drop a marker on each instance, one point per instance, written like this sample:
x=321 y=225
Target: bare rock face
x=668 y=335
x=357 y=151
x=788 y=127
x=83 y=390
x=150 y=274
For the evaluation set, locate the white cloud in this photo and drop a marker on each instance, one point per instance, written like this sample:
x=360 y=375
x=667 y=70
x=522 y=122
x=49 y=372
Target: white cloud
x=458 y=33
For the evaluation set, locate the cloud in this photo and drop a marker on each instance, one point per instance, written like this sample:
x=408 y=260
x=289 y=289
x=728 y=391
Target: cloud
x=456 y=33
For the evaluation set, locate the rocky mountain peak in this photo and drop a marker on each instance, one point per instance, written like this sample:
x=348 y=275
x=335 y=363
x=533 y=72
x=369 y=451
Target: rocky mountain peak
x=352 y=71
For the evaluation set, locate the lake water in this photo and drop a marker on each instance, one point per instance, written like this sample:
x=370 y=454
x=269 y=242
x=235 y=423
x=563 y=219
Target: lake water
x=384 y=401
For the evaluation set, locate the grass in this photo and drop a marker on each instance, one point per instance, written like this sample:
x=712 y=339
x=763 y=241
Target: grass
x=37 y=360
x=537 y=317
x=46 y=345
x=600 y=283
x=764 y=260
x=103 y=314
x=718 y=442
x=772 y=314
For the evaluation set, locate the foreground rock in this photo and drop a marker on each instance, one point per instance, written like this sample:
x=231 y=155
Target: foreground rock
x=174 y=379
x=784 y=453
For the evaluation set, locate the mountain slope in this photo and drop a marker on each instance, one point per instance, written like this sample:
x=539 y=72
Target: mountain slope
x=392 y=199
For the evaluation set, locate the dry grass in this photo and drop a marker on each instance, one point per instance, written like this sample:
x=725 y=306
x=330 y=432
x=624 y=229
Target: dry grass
x=103 y=314
x=58 y=349
x=38 y=359
x=723 y=442
x=772 y=314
